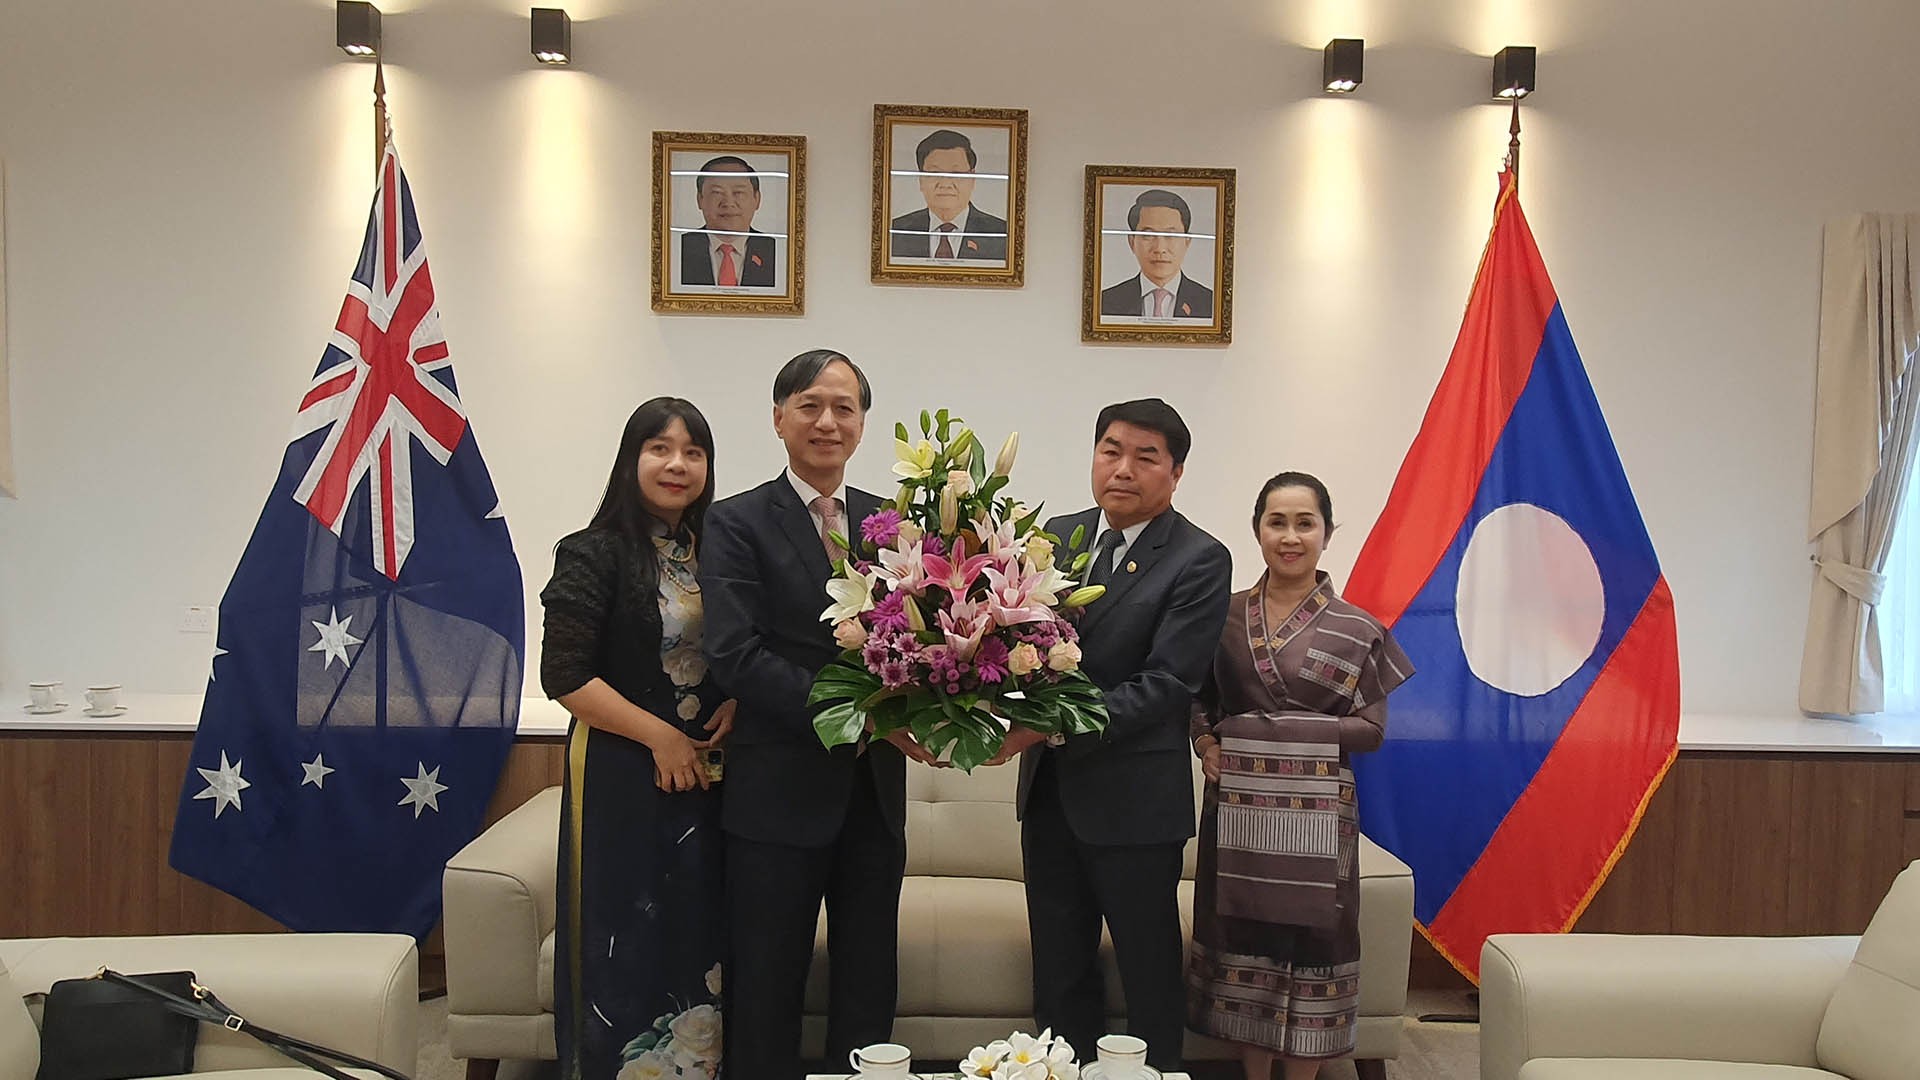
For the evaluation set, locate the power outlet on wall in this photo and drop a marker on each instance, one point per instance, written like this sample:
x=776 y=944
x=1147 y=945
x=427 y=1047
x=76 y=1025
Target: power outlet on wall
x=197 y=620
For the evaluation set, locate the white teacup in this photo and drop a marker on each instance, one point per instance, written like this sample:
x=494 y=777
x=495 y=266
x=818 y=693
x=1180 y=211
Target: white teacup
x=43 y=695
x=1122 y=1057
x=104 y=698
x=881 y=1060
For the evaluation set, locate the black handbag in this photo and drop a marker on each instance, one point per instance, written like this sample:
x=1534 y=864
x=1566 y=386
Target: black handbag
x=91 y=1029
x=149 y=1003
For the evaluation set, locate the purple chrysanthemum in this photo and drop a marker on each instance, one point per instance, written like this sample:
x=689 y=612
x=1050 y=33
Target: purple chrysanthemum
x=889 y=616
x=990 y=663
x=882 y=527
x=934 y=545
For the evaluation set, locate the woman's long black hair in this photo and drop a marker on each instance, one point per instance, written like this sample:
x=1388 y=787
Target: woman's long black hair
x=621 y=508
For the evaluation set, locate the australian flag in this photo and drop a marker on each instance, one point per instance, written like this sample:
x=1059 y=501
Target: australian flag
x=1513 y=566
x=366 y=686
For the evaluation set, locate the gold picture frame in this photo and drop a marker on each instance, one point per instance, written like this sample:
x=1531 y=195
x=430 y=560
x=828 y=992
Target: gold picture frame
x=963 y=159
x=760 y=269
x=1184 y=223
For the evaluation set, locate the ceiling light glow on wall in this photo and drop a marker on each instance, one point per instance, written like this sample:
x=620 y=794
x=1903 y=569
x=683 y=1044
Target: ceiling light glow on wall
x=356 y=28
x=1342 y=65
x=552 y=36
x=1513 y=72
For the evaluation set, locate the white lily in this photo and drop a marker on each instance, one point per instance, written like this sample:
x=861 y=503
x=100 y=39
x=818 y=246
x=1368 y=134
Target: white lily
x=852 y=595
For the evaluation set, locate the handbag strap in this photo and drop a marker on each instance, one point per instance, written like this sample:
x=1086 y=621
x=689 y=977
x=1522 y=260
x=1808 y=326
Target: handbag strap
x=207 y=1008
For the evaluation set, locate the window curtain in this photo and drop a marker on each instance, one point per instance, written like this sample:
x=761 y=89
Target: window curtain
x=1864 y=437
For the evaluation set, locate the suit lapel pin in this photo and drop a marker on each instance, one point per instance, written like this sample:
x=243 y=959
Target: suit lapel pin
x=1132 y=566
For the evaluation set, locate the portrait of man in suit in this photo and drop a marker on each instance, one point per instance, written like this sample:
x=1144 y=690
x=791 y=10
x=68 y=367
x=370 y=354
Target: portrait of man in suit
x=1104 y=817
x=804 y=824
x=728 y=251
x=949 y=226
x=1159 y=225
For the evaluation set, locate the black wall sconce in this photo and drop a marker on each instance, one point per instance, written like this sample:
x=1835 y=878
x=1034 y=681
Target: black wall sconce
x=552 y=36
x=356 y=28
x=1513 y=72
x=1343 y=64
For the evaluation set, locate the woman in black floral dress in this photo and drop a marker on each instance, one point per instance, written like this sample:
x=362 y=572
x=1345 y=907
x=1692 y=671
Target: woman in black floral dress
x=637 y=975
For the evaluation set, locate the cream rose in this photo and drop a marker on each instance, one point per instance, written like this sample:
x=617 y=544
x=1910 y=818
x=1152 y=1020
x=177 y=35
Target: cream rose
x=697 y=1031
x=850 y=634
x=960 y=482
x=713 y=980
x=655 y=1064
x=689 y=707
x=1064 y=656
x=1024 y=659
x=1039 y=552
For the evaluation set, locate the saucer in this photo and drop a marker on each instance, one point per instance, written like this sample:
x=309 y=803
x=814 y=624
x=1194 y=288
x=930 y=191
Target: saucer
x=58 y=706
x=1097 y=1070
x=104 y=714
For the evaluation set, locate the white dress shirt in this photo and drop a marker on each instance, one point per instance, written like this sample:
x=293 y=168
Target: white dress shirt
x=954 y=238
x=808 y=494
x=1147 y=288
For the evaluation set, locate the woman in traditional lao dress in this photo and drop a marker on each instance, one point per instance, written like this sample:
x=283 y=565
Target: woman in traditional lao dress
x=1299 y=683
x=637 y=958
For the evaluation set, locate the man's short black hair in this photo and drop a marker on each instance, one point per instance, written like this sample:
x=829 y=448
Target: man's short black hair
x=804 y=370
x=944 y=140
x=1154 y=415
x=726 y=159
x=1158 y=197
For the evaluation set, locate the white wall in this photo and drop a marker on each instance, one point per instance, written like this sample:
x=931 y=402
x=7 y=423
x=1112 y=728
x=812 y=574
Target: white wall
x=188 y=184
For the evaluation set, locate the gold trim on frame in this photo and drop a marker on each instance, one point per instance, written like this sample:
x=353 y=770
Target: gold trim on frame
x=1014 y=274
x=1222 y=331
x=793 y=302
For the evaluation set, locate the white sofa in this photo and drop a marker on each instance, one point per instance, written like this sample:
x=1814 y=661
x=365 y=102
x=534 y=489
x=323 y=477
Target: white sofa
x=354 y=992
x=965 y=973
x=1614 y=1007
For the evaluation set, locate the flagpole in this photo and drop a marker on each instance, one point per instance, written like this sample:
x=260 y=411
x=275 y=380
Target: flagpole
x=1513 y=142
x=379 y=114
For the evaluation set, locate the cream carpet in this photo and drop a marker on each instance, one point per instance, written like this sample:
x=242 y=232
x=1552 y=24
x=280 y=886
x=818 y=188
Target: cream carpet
x=1429 y=1051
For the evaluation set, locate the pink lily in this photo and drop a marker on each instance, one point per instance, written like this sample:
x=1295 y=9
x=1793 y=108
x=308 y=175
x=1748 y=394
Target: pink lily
x=956 y=574
x=903 y=567
x=965 y=622
x=1011 y=596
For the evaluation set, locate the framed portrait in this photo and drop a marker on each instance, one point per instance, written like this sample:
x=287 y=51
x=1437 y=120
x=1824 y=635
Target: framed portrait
x=729 y=223
x=949 y=195
x=1159 y=255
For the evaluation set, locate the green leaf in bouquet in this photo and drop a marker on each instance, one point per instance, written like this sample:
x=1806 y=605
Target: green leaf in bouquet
x=1079 y=535
x=839 y=725
x=1026 y=524
x=971 y=750
x=977 y=467
x=901 y=433
x=992 y=487
x=944 y=424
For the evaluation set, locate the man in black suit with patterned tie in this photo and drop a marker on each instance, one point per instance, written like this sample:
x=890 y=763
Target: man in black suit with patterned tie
x=804 y=824
x=1104 y=817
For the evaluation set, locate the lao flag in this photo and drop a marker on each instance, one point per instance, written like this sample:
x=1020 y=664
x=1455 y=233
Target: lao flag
x=1513 y=566
x=366 y=686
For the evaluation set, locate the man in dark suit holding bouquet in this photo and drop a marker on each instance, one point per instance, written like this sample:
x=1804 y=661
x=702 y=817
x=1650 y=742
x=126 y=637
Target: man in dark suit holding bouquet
x=1104 y=817
x=804 y=824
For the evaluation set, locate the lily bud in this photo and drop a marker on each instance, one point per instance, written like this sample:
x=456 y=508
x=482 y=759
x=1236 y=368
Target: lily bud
x=916 y=622
x=949 y=511
x=1085 y=596
x=1003 y=465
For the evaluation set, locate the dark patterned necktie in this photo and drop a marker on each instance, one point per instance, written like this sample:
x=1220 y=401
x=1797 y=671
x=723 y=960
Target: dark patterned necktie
x=1102 y=568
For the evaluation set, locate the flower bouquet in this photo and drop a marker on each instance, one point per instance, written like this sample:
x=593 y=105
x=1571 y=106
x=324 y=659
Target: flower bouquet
x=1023 y=1057
x=955 y=619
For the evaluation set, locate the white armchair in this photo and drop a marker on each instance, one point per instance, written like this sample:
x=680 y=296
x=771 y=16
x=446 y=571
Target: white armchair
x=1618 y=1007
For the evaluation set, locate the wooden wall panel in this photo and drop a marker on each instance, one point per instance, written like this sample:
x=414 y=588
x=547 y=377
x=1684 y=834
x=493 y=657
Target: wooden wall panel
x=123 y=826
x=1844 y=849
x=1732 y=836
x=1638 y=895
